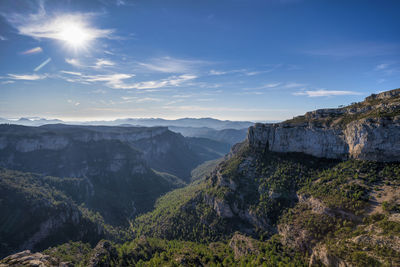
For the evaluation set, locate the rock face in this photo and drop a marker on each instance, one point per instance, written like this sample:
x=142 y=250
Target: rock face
x=369 y=130
x=27 y=258
x=158 y=147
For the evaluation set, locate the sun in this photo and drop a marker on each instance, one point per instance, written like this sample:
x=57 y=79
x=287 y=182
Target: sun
x=74 y=34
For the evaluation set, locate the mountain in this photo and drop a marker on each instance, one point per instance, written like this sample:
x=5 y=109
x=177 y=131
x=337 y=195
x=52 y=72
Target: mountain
x=38 y=211
x=188 y=122
x=338 y=207
x=318 y=190
x=146 y=122
x=367 y=130
x=63 y=147
x=230 y=136
x=130 y=161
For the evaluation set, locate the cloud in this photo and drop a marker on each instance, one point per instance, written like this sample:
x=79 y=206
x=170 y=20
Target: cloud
x=120 y=3
x=265 y=86
x=111 y=80
x=252 y=73
x=216 y=72
x=148 y=99
x=2 y=38
x=71 y=72
x=170 y=81
x=44 y=63
x=32 y=51
x=117 y=80
x=387 y=68
x=382 y=66
x=74 y=62
x=323 y=92
x=27 y=77
x=73 y=102
x=293 y=85
x=246 y=72
x=172 y=65
x=7 y=82
x=43 y=25
x=103 y=62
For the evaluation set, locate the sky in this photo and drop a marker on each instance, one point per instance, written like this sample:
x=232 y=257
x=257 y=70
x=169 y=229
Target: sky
x=232 y=60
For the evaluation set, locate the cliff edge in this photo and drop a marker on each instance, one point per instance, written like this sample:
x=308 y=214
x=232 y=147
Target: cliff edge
x=368 y=130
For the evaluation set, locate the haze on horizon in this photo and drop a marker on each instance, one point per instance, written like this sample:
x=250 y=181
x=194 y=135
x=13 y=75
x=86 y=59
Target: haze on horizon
x=230 y=60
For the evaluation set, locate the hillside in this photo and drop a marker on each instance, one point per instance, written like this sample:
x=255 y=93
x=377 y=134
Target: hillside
x=275 y=200
x=39 y=211
x=230 y=136
x=326 y=208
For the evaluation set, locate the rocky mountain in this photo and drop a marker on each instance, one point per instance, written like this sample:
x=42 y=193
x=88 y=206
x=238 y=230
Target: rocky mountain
x=318 y=190
x=38 y=211
x=367 y=130
x=339 y=210
x=63 y=147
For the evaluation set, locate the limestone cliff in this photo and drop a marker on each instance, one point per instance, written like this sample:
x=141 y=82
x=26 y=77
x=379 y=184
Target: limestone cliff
x=368 y=130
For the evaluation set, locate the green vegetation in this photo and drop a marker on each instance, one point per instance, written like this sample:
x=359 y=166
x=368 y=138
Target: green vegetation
x=159 y=252
x=205 y=169
x=28 y=201
x=347 y=185
x=371 y=107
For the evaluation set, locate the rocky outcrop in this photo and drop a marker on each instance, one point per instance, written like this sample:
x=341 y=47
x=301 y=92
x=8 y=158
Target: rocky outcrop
x=65 y=145
x=29 y=259
x=243 y=245
x=368 y=130
x=316 y=141
x=322 y=255
x=102 y=254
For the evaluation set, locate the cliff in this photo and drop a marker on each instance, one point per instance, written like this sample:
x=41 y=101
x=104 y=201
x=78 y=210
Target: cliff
x=368 y=130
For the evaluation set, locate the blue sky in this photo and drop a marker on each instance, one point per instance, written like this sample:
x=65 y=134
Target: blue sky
x=237 y=60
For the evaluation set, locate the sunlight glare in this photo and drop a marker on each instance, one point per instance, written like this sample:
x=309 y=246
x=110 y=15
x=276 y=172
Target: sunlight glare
x=74 y=34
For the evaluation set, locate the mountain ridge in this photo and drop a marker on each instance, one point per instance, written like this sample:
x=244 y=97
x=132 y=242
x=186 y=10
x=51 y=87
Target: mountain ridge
x=367 y=130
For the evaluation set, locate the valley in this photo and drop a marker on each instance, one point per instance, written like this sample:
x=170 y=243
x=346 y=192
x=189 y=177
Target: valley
x=318 y=190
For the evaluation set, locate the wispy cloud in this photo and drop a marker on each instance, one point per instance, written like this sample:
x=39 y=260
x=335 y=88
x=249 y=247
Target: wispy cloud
x=43 y=25
x=217 y=72
x=73 y=102
x=245 y=71
x=148 y=99
x=388 y=68
x=7 y=82
x=118 y=80
x=382 y=66
x=103 y=62
x=27 y=77
x=74 y=62
x=71 y=72
x=170 y=81
x=34 y=50
x=294 y=85
x=44 y=63
x=323 y=92
x=173 y=65
x=2 y=38
x=265 y=86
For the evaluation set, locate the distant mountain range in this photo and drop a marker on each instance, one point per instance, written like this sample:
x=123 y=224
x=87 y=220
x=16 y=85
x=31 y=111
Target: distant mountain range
x=148 y=122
